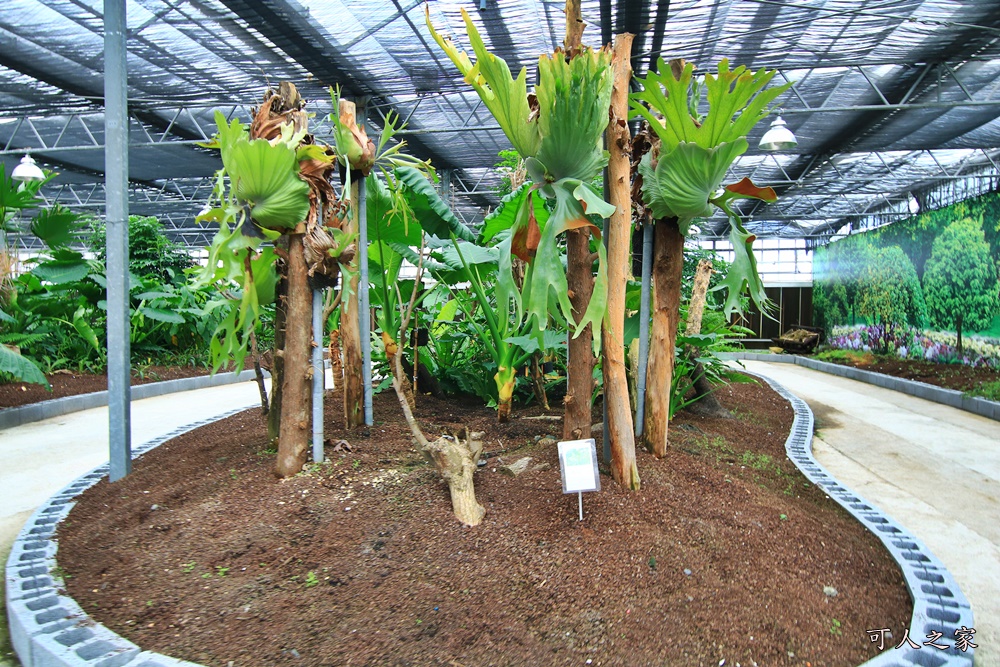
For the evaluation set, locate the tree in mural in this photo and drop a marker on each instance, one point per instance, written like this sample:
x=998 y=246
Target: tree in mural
x=960 y=280
x=888 y=290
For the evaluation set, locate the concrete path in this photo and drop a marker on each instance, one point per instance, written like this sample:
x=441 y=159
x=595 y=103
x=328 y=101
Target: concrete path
x=934 y=469
x=42 y=457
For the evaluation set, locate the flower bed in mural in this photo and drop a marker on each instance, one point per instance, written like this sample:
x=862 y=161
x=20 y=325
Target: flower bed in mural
x=905 y=342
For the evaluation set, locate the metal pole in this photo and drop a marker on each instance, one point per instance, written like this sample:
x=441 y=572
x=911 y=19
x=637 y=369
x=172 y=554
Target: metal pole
x=605 y=424
x=579 y=495
x=319 y=375
x=364 y=302
x=647 y=270
x=116 y=211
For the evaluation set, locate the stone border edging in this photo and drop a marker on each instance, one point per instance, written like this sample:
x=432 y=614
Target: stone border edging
x=33 y=412
x=938 y=603
x=49 y=629
x=956 y=399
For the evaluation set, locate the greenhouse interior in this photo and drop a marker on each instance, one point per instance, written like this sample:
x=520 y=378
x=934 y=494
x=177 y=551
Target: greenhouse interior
x=500 y=332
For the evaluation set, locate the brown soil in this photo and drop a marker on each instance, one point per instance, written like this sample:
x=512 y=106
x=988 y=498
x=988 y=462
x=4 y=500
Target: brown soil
x=723 y=555
x=950 y=376
x=70 y=383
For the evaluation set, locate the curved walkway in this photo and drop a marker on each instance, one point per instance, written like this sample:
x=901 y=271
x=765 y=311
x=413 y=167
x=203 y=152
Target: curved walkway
x=933 y=468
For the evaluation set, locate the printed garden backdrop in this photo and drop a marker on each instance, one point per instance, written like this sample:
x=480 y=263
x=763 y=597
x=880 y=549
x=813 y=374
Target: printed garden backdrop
x=925 y=287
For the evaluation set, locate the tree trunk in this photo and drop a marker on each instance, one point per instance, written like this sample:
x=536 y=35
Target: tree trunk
x=705 y=402
x=621 y=431
x=350 y=328
x=668 y=267
x=278 y=356
x=455 y=457
x=580 y=362
x=958 y=327
x=293 y=438
x=538 y=382
x=580 y=282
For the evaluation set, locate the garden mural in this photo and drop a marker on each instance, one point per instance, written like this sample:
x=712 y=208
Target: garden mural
x=922 y=288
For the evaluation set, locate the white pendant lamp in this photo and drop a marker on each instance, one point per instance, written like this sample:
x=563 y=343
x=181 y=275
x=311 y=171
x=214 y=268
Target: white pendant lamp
x=778 y=137
x=27 y=170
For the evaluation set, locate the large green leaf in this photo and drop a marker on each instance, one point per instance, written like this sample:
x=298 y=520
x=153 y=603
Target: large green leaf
x=736 y=102
x=742 y=274
x=573 y=101
x=162 y=315
x=504 y=215
x=21 y=368
x=56 y=226
x=384 y=221
x=85 y=330
x=471 y=253
x=685 y=179
x=266 y=177
x=433 y=214
x=504 y=96
x=62 y=271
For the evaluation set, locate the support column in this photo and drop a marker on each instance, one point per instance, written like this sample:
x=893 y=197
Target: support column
x=319 y=375
x=647 y=266
x=116 y=213
x=364 y=300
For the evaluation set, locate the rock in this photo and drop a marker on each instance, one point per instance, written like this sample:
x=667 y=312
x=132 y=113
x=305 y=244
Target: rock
x=517 y=467
x=542 y=466
x=547 y=441
x=687 y=572
x=596 y=428
x=830 y=591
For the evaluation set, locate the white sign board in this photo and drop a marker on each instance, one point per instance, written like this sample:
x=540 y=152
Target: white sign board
x=578 y=461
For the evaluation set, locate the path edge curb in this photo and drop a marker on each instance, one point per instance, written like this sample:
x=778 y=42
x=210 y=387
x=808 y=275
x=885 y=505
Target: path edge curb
x=56 y=407
x=938 y=602
x=956 y=399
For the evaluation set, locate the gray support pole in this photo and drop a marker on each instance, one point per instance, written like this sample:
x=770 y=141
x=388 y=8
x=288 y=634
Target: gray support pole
x=364 y=301
x=319 y=376
x=116 y=185
x=647 y=270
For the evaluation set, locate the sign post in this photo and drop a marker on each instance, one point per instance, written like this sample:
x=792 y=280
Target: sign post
x=578 y=464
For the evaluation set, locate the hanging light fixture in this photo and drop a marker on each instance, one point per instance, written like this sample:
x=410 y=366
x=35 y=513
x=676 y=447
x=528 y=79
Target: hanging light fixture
x=778 y=137
x=27 y=170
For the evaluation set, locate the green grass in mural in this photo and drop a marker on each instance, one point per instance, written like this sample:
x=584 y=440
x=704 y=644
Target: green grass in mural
x=993 y=331
x=846 y=356
x=987 y=390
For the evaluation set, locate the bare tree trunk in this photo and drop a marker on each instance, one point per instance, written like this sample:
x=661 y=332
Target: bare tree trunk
x=293 y=438
x=958 y=328
x=668 y=267
x=259 y=374
x=456 y=457
x=336 y=359
x=621 y=431
x=538 y=382
x=706 y=403
x=278 y=361
x=350 y=328
x=580 y=282
x=580 y=363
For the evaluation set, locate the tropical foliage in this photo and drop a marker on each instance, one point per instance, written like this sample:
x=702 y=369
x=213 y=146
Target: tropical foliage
x=682 y=176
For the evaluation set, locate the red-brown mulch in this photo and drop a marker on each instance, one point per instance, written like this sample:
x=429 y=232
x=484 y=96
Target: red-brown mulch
x=72 y=383
x=722 y=555
x=950 y=376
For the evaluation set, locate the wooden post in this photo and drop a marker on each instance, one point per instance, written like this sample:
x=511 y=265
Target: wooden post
x=619 y=236
x=668 y=267
x=350 y=326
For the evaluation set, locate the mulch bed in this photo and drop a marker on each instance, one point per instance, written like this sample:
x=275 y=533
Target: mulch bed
x=950 y=376
x=71 y=383
x=723 y=555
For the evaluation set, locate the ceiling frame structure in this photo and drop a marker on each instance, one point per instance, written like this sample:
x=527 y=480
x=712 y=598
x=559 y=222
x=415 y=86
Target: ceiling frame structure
x=892 y=101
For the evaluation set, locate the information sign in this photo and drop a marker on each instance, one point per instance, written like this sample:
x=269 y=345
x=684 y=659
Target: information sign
x=578 y=460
